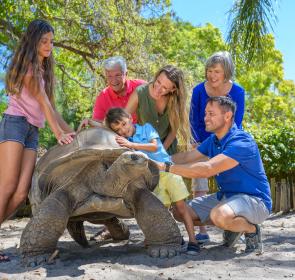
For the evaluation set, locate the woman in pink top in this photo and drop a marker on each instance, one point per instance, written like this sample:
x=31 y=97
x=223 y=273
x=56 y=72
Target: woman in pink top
x=30 y=83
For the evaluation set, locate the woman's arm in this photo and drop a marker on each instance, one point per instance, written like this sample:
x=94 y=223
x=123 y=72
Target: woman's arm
x=169 y=139
x=64 y=126
x=239 y=98
x=132 y=104
x=194 y=114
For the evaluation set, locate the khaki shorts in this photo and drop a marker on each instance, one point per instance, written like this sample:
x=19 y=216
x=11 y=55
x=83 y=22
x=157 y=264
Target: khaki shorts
x=250 y=207
x=200 y=184
x=171 y=188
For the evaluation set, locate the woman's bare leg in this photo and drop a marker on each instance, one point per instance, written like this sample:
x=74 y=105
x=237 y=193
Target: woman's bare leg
x=11 y=154
x=24 y=182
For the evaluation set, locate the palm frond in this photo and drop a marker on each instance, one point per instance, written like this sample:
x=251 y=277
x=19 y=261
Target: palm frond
x=250 y=20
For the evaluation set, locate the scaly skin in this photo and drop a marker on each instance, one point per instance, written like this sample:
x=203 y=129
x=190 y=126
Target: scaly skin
x=126 y=168
x=162 y=235
x=40 y=236
x=161 y=232
x=77 y=232
x=117 y=229
x=131 y=177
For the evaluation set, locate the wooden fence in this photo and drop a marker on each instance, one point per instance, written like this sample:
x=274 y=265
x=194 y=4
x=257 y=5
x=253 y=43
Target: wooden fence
x=283 y=194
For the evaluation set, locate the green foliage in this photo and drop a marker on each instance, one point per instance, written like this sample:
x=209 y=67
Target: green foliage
x=3 y=102
x=270 y=118
x=250 y=21
x=46 y=137
x=260 y=76
x=190 y=46
x=276 y=145
x=87 y=32
x=149 y=36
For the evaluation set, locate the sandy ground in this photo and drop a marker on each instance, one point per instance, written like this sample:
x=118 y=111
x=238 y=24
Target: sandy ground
x=129 y=260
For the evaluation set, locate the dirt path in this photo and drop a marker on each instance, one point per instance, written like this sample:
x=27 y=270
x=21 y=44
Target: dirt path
x=128 y=260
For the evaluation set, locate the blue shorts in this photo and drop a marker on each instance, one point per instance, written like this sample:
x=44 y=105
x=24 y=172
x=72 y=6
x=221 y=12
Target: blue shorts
x=17 y=129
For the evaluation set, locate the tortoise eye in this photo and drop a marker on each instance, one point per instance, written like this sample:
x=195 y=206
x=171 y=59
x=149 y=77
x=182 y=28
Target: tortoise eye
x=134 y=157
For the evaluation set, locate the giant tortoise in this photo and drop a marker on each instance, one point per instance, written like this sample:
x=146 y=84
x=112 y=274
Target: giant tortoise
x=94 y=179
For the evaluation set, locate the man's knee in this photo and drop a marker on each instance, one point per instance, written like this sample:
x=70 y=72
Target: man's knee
x=221 y=217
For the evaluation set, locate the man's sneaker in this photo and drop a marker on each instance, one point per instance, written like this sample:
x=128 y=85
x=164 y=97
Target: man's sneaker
x=254 y=241
x=230 y=238
x=193 y=248
x=202 y=238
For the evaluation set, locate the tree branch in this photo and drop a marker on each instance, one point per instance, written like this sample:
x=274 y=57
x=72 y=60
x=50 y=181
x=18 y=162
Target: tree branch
x=62 y=68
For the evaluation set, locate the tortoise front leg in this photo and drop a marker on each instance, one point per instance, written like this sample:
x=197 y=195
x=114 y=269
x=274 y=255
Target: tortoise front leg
x=161 y=232
x=40 y=236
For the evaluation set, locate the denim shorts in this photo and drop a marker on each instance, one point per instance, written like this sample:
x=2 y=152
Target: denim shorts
x=17 y=129
x=250 y=207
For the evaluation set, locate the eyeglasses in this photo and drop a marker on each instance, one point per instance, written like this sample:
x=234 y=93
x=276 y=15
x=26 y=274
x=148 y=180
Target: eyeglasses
x=115 y=77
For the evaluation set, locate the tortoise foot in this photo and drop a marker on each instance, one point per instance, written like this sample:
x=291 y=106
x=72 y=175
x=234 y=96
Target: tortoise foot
x=164 y=251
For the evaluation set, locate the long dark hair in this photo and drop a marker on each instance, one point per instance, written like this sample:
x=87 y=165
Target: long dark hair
x=25 y=56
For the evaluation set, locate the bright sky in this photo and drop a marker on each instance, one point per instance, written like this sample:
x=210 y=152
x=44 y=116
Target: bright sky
x=199 y=12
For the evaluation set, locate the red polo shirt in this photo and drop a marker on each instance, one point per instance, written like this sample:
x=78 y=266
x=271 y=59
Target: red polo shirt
x=108 y=99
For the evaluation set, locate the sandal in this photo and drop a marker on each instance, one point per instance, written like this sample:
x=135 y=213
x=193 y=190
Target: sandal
x=4 y=258
x=193 y=249
x=102 y=235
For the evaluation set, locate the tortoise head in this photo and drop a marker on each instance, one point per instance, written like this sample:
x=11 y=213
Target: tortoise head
x=133 y=161
x=137 y=164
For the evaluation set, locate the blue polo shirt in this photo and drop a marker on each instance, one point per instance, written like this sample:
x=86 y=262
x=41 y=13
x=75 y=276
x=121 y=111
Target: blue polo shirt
x=144 y=134
x=248 y=176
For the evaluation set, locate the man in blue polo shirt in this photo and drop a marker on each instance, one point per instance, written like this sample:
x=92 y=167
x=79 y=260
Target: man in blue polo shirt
x=243 y=200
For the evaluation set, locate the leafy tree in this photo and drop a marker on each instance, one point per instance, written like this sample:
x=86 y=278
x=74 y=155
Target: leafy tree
x=190 y=46
x=87 y=32
x=250 y=21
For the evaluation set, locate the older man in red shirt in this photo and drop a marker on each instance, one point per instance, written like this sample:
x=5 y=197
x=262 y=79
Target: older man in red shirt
x=118 y=91
x=116 y=94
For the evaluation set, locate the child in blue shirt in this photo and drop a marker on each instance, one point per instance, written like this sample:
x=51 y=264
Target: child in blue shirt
x=171 y=188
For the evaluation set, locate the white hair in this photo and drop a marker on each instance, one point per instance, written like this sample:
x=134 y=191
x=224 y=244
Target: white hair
x=112 y=62
x=225 y=60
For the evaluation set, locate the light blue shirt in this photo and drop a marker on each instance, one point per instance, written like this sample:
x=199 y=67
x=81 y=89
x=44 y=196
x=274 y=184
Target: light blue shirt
x=145 y=134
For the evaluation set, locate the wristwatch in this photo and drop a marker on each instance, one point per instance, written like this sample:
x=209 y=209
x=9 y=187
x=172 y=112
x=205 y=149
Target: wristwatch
x=167 y=166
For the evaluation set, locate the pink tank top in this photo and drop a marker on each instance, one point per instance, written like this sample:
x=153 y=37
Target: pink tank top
x=26 y=105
